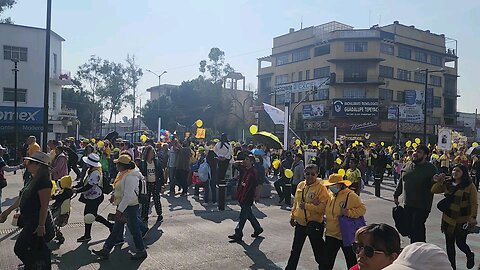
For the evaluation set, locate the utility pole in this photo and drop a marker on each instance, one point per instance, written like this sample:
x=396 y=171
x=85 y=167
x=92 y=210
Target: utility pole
x=46 y=89
x=425 y=109
x=15 y=112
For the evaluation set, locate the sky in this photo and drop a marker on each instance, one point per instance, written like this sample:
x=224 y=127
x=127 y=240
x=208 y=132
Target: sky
x=174 y=36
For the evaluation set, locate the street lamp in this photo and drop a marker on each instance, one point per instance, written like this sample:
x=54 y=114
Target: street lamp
x=46 y=85
x=15 y=114
x=159 y=76
x=427 y=71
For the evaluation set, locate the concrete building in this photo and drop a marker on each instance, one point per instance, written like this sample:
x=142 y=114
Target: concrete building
x=373 y=70
x=27 y=45
x=161 y=90
x=469 y=125
x=124 y=127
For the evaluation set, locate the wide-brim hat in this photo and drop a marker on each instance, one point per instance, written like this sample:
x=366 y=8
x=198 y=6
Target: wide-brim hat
x=40 y=157
x=124 y=159
x=336 y=179
x=92 y=160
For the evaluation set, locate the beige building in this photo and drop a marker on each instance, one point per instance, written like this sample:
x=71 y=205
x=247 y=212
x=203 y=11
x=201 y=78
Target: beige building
x=361 y=75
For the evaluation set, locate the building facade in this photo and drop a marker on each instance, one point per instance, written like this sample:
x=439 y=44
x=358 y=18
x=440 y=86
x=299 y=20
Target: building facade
x=27 y=46
x=367 y=81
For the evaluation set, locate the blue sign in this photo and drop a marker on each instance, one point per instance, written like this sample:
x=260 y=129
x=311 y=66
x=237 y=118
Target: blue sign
x=354 y=107
x=25 y=115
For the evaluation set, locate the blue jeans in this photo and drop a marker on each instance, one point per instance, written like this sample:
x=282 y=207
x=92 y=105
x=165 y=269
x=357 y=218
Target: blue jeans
x=246 y=213
x=134 y=224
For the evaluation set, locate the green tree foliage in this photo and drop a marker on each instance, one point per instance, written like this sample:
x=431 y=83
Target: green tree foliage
x=133 y=76
x=216 y=65
x=4 y=5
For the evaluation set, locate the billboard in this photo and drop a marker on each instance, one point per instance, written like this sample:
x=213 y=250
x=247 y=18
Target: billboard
x=313 y=111
x=25 y=115
x=354 y=107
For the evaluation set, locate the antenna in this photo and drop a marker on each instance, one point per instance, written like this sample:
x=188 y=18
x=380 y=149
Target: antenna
x=301 y=23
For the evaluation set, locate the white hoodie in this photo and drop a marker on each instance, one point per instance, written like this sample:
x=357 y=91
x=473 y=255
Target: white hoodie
x=126 y=190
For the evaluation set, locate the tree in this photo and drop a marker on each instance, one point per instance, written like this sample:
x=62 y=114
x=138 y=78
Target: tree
x=4 y=5
x=202 y=68
x=133 y=73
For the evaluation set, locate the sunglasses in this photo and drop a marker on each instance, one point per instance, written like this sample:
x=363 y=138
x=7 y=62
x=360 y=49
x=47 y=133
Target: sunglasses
x=369 y=251
x=310 y=174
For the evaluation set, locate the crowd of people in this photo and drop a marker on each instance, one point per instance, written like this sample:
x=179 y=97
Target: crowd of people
x=326 y=190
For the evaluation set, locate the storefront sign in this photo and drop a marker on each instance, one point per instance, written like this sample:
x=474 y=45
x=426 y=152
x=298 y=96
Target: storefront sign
x=357 y=125
x=313 y=111
x=24 y=128
x=25 y=115
x=301 y=86
x=354 y=107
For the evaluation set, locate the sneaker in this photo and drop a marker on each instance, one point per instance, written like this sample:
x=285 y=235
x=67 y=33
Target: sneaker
x=84 y=239
x=257 y=233
x=235 y=237
x=102 y=253
x=160 y=219
x=139 y=255
x=470 y=261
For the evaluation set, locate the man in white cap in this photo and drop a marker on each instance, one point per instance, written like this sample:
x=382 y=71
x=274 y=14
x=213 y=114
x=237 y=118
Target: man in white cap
x=421 y=256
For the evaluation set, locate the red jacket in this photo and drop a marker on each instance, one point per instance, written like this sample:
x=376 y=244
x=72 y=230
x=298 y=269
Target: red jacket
x=246 y=187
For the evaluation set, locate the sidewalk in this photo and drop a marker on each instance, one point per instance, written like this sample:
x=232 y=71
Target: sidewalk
x=195 y=237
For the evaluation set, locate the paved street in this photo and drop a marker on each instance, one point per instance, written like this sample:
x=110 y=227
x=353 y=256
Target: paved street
x=195 y=237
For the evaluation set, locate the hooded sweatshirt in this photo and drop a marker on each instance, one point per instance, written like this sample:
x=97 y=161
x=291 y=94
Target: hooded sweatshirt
x=355 y=209
x=311 y=192
x=126 y=190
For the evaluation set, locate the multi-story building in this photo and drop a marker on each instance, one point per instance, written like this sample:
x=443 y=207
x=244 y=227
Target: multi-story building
x=27 y=46
x=361 y=76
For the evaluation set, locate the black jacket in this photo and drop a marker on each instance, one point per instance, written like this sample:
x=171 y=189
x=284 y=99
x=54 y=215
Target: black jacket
x=158 y=170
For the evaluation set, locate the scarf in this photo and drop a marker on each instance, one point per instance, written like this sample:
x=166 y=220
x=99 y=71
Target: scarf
x=120 y=175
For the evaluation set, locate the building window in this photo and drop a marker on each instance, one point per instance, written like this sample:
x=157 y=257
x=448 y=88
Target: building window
x=385 y=94
x=300 y=55
x=280 y=98
x=386 y=72
x=292 y=78
x=449 y=107
x=421 y=56
x=322 y=50
x=54 y=100
x=355 y=72
x=400 y=96
x=435 y=80
x=300 y=96
x=265 y=83
x=300 y=76
x=283 y=59
x=435 y=60
x=437 y=102
x=9 y=95
x=281 y=79
x=14 y=53
x=354 y=93
x=54 y=63
x=386 y=48
x=307 y=74
x=322 y=94
x=292 y=97
x=356 y=46
x=403 y=74
x=404 y=52
x=419 y=77
x=321 y=72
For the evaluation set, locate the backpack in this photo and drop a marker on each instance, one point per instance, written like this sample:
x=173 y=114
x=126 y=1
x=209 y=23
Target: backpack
x=204 y=171
x=107 y=187
x=142 y=194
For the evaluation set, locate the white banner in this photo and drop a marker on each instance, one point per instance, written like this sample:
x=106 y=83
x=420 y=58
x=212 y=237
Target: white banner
x=275 y=114
x=445 y=139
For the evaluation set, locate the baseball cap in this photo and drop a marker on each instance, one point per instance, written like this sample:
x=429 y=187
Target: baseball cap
x=421 y=256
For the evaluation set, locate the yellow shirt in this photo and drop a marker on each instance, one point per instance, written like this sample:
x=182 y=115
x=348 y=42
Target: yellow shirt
x=355 y=208
x=32 y=148
x=311 y=192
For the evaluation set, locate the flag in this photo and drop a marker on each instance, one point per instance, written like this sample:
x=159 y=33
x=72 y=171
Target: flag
x=275 y=114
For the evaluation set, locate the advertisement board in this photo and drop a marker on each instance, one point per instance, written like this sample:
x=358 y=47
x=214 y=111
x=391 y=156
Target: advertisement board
x=354 y=107
x=313 y=111
x=25 y=115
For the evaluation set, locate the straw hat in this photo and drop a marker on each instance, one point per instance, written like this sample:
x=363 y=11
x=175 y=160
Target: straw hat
x=124 y=159
x=92 y=160
x=39 y=157
x=336 y=179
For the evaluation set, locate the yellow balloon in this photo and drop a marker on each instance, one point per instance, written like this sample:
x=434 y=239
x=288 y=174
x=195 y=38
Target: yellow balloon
x=372 y=144
x=337 y=142
x=100 y=144
x=414 y=145
x=199 y=123
x=417 y=140
x=339 y=161
x=288 y=173
x=475 y=144
x=253 y=129
x=356 y=142
x=298 y=142
x=341 y=172
x=382 y=144
x=54 y=187
x=93 y=140
x=408 y=143
x=276 y=164
x=314 y=143
x=320 y=142
x=143 y=138
x=454 y=145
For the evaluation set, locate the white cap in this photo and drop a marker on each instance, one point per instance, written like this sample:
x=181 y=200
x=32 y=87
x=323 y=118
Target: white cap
x=421 y=256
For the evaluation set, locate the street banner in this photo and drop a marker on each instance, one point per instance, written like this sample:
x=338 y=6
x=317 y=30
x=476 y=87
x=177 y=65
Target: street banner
x=445 y=139
x=313 y=111
x=354 y=107
x=275 y=114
